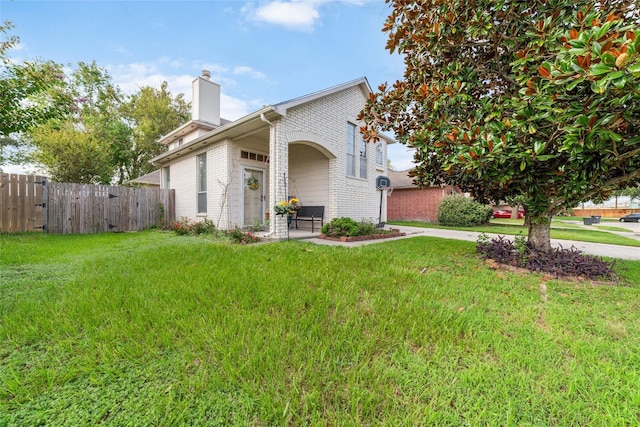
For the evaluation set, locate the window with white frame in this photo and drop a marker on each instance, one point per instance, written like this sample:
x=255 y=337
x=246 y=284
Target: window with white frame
x=202 y=182
x=363 y=156
x=166 y=175
x=356 y=153
x=379 y=155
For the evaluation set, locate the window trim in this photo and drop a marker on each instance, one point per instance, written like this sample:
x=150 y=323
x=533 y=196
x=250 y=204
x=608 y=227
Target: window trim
x=356 y=153
x=166 y=177
x=381 y=151
x=201 y=183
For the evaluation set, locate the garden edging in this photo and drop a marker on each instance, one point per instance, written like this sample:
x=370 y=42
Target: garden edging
x=394 y=233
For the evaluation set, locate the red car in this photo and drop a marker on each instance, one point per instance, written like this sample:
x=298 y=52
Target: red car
x=506 y=213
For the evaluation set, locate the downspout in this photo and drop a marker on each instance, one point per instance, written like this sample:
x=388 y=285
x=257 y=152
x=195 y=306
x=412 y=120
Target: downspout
x=264 y=119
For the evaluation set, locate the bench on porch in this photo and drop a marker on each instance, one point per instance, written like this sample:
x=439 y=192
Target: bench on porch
x=310 y=214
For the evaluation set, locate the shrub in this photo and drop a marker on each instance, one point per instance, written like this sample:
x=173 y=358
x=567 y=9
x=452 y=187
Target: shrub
x=205 y=226
x=459 y=211
x=348 y=227
x=184 y=227
x=367 y=228
x=238 y=235
x=258 y=225
x=344 y=226
x=559 y=261
x=181 y=226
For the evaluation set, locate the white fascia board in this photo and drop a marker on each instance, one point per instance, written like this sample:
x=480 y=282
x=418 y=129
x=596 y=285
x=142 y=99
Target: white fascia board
x=282 y=107
x=217 y=134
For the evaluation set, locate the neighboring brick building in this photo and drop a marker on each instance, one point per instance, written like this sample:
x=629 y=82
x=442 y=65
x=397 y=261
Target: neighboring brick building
x=409 y=203
x=233 y=173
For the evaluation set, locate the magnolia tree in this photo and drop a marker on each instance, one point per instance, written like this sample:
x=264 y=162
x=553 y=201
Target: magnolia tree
x=536 y=101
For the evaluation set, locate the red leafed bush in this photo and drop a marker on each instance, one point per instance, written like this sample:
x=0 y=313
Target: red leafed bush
x=558 y=261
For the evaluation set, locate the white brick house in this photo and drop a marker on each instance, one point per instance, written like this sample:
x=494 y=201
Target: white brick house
x=308 y=147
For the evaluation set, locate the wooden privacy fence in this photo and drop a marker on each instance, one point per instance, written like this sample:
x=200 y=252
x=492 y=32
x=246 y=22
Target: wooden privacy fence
x=30 y=203
x=21 y=203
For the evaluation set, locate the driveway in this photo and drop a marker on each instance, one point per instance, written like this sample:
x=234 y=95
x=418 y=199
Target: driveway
x=598 y=249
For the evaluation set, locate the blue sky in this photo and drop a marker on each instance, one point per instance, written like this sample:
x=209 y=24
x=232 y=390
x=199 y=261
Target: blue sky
x=260 y=52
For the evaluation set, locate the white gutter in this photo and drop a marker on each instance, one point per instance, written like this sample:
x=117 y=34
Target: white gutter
x=220 y=131
x=264 y=119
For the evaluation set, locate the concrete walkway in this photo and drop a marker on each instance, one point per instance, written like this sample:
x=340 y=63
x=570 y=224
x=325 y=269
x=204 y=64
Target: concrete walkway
x=598 y=249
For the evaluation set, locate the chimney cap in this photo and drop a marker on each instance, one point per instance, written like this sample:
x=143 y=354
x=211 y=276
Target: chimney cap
x=206 y=74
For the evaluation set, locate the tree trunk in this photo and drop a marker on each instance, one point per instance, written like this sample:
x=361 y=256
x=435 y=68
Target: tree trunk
x=514 y=212
x=540 y=235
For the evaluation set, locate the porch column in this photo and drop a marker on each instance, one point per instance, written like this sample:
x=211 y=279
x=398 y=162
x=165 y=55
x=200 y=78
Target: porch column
x=278 y=172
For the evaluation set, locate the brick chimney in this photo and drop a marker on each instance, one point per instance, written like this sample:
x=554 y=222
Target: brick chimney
x=205 y=103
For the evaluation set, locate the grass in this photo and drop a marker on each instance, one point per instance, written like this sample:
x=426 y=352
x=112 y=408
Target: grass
x=560 y=229
x=156 y=329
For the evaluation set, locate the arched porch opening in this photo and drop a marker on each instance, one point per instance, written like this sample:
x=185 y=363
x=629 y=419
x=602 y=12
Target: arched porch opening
x=309 y=174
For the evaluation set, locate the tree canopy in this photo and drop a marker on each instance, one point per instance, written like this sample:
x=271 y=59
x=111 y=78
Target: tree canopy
x=86 y=145
x=122 y=131
x=537 y=100
x=152 y=114
x=31 y=92
x=80 y=127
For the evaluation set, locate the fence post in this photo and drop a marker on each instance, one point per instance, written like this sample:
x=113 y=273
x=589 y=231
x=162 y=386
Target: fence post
x=45 y=204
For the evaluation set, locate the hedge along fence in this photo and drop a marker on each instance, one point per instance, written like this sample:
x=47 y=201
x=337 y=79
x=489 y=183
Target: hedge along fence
x=29 y=203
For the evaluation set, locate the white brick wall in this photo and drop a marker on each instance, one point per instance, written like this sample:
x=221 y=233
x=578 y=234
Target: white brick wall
x=308 y=144
x=184 y=181
x=325 y=120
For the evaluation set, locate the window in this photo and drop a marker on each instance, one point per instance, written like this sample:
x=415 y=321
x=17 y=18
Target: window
x=202 y=182
x=363 y=157
x=356 y=142
x=351 y=149
x=177 y=143
x=167 y=177
x=254 y=156
x=379 y=158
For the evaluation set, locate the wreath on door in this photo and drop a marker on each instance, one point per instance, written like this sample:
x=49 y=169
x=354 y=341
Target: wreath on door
x=252 y=183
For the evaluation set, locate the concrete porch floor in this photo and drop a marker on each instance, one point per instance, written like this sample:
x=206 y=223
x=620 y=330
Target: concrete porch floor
x=294 y=234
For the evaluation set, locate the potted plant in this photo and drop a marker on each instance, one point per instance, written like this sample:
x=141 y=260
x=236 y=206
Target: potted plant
x=287 y=207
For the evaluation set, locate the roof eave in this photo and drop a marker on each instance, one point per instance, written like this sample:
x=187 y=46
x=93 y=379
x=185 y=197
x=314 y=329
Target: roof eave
x=282 y=107
x=216 y=134
x=167 y=139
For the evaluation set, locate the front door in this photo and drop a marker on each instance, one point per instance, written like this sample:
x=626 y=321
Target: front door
x=254 y=199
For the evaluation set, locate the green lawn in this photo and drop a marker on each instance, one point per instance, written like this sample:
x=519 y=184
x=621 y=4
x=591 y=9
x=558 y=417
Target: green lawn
x=560 y=229
x=153 y=329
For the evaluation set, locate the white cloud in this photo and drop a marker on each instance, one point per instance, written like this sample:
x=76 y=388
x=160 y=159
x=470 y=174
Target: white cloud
x=243 y=69
x=123 y=50
x=300 y=15
x=296 y=15
x=133 y=76
x=233 y=108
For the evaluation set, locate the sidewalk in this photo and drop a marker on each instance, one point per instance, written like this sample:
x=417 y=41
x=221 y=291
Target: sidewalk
x=598 y=249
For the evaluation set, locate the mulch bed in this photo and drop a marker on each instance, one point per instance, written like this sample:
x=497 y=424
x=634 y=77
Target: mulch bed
x=386 y=235
x=546 y=276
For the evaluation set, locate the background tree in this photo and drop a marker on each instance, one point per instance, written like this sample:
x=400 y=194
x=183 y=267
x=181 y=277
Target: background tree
x=31 y=92
x=538 y=100
x=86 y=145
x=632 y=192
x=52 y=119
x=73 y=154
x=152 y=114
